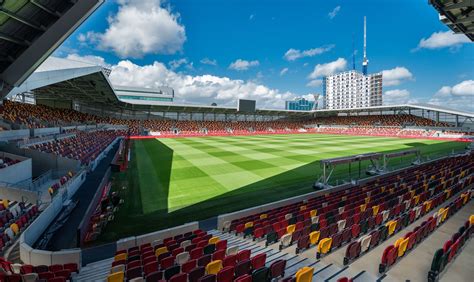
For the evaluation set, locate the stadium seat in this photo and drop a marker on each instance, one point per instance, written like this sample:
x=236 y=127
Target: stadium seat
x=304 y=274
x=208 y=278
x=244 y=278
x=258 y=261
x=324 y=246
x=214 y=267
x=260 y=274
x=243 y=267
x=196 y=273
x=226 y=274
x=116 y=277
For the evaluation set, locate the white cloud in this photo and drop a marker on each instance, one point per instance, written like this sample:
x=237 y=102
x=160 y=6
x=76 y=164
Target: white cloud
x=396 y=76
x=207 y=61
x=251 y=17
x=140 y=28
x=328 y=68
x=200 y=89
x=315 y=83
x=396 y=97
x=241 y=65
x=441 y=39
x=174 y=64
x=464 y=88
x=90 y=59
x=283 y=71
x=294 y=54
x=334 y=12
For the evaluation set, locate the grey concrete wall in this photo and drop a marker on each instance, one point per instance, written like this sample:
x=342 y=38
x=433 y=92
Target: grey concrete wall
x=14 y=134
x=46 y=131
x=11 y=174
x=42 y=162
x=18 y=195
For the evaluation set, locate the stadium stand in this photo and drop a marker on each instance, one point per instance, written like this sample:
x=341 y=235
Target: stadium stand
x=322 y=221
x=84 y=146
x=24 y=272
x=5 y=162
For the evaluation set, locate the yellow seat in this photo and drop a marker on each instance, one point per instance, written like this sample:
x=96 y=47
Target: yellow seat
x=160 y=251
x=382 y=189
x=428 y=205
x=248 y=224
x=14 y=227
x=314 y=237
x=5 y=203
x=304 y=274
x=263 y=216
x=466 y=198
x=402 y=247
x=398 y=242
x=367 y=200
x=302 y=208
x=445 y=214
x=214 y=267
x=324 y=245
x=375 y=210
x=116 y=277
x=313 y=213
x=120 y=257
x=417 y=199
x=290 y=228
x=391 y=226
x=214 y=240
x=363 y=207
x=448 y=193
x=471 y=219
x=412 y=193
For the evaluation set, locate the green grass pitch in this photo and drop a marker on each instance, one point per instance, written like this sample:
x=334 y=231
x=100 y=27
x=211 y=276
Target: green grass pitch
x=173 y=181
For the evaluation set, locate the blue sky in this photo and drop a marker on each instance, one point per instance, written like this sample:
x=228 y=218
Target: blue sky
x=218 y=51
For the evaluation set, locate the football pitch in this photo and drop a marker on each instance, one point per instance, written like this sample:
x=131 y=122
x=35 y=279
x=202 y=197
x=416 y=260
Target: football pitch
x=177 y=180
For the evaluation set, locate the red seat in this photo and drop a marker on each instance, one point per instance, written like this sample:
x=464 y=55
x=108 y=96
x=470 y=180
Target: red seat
x=167 y=262
x=188 y=266
x=243 y=255
x=196 y=253
x=277 y=269
x=180 y=277
x=46 y=275
x=26 y=268
x=243 y=267
x=55 y=267
x=244 y=278
x=218 y=255
x=226 y=274
x=150 y=267
x=352 y=251
x=355 y=230
x=230 y=260
x=389 y=257
x=258 y=261
x=221 y=245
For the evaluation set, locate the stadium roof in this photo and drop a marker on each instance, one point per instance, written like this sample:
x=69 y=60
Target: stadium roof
x=30 y=30
x=88 y=84
x=458 y=15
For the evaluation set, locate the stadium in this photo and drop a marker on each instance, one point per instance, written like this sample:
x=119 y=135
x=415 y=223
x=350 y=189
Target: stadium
x=108 y=182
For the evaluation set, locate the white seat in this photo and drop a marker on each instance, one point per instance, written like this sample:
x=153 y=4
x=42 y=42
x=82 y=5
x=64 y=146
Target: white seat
x=138 y=279
x=385 y=215
x=407 y=205
x=232 y=250
x=182 y=258
x=10 y=233
x=156 y=242
x=184 y=244
x=16 y=267
x=30 y=277
x=417 y=211
x=365 y=243
x=117 y=268
x=288 y=216
x=226 y=226
x=315 y=219
x=341 y=224
x=400 y=199
x=341 y=210
x=285 y=241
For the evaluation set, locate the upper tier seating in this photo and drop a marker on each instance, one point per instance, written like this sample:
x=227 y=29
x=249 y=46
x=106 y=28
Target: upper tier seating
x=5 y=162
x=85 y=146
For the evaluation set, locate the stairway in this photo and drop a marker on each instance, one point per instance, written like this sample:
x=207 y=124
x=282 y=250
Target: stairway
x=96 y=271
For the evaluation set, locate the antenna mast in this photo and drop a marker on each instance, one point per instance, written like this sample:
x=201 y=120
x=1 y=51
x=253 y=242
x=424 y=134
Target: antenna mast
x=365 y=62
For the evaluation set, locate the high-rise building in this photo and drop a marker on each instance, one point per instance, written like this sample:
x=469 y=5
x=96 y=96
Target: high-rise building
x=352 y=89
x=300 y=104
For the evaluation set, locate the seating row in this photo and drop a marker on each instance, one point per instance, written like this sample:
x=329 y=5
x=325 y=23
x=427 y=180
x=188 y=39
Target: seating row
x=14 y=218
x=15 y=272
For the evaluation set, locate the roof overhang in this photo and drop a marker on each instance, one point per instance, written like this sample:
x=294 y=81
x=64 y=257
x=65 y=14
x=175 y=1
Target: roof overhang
x=457 y=15
x=32 y=32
